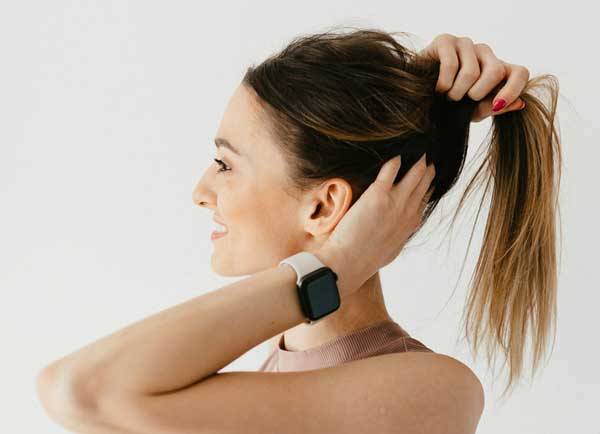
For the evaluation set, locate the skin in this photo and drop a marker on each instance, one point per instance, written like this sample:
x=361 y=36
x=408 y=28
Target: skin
x=95 y=390
x=243 y=196
x=474 y=70
x=263 y=234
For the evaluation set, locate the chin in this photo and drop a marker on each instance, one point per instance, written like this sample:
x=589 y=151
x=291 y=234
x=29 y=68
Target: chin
x=232 y=268
x=221 y=269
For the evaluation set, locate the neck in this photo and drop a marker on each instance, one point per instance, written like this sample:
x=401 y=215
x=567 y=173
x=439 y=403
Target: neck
x=362 y=308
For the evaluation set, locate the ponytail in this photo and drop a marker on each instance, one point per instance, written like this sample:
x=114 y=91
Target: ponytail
x=515 y=279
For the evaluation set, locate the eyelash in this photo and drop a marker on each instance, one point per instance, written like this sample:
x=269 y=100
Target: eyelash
x=222 y=164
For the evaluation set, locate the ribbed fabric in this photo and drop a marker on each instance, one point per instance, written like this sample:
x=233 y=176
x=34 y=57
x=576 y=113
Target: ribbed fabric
x=380 y=338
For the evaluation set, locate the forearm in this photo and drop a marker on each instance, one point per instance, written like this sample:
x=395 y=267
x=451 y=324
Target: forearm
x=187 y=343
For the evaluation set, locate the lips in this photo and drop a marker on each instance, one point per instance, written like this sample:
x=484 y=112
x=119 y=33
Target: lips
x=216 y=235
x=220 y=222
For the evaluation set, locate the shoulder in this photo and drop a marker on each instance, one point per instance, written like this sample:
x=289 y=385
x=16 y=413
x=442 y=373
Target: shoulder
x=421 y=391
x=431 y=364
x=441 y=382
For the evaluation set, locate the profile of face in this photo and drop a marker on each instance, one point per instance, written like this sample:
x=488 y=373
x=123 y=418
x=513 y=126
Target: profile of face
x=265 y=224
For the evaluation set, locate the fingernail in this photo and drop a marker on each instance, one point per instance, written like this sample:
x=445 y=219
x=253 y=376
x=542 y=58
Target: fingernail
x=498 y=105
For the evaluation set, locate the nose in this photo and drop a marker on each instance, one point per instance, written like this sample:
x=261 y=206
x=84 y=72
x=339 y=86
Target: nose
x=203 y=194
x=196 y=197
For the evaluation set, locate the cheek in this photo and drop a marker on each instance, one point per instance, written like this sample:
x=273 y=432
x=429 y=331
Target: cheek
x=277 y=219
x=260 y=211
x=239 y=205
x=268 y=214
x=234 y=207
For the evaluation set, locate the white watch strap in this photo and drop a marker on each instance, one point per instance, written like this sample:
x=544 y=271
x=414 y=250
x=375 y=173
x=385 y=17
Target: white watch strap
x=303 y=263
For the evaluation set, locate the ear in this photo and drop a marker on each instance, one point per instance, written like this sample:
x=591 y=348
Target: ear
x=326 y=206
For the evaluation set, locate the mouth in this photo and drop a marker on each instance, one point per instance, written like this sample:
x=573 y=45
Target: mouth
x=220 y=232
x=217 y=234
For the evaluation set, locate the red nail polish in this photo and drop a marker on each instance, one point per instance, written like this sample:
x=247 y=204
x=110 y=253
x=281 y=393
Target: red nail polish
x=498 y=105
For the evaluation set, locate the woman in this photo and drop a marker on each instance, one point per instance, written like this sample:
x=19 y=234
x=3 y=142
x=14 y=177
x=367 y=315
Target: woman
x=307 y=150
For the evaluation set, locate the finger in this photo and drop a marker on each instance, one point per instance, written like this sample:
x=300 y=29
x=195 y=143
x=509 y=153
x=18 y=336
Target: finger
x=518 y=76
x=430 y=189
x=493 y=72
x=469 y=69
x=517 y=104
x=421 y=206
x=449 y=63
x=409 y=182
x=426 y=198
x=418 y=198
x=484 y=108
x=389 y=171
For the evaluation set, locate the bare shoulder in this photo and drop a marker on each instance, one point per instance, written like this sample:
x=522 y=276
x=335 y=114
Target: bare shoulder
x=447 y=379
x=440 y=364
x=463 y=372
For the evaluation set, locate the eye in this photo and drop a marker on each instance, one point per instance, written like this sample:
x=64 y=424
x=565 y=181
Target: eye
x=224 y=167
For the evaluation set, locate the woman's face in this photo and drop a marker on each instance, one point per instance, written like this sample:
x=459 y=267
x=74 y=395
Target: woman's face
x=264 y=223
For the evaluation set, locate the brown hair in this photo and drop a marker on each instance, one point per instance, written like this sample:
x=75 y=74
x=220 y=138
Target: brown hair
x=341 y=104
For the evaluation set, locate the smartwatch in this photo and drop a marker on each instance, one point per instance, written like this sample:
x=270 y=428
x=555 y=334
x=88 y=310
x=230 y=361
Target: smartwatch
x=316 y=286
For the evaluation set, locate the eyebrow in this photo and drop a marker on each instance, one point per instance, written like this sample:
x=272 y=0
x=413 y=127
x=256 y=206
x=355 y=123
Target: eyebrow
x=219 y=141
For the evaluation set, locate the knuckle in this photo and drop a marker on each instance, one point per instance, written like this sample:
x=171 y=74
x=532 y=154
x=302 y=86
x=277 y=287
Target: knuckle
x=453 y=63
x=464 y=40
x=524 y=72
x=383 y=200
x=445 y=37
x=498 y=70
x=471 y=74
x=381 y=194
x=475 y=95
x=483 y=47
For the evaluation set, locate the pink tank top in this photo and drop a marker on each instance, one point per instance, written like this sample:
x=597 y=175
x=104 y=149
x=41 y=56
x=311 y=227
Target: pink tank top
x=380 y=338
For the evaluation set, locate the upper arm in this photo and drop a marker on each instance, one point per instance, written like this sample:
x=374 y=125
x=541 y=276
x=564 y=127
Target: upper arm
x=391 y=393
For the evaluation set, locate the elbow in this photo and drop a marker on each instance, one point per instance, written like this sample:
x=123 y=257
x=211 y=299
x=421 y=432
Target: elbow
x=60 y=394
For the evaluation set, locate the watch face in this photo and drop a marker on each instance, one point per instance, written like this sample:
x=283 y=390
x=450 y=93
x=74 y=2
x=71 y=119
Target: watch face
x=321 y=292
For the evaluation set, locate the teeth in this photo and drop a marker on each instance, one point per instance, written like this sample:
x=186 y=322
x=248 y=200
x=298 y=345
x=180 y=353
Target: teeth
x=220 y=228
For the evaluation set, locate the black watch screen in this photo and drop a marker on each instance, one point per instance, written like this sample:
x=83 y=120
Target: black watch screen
x=319 y=293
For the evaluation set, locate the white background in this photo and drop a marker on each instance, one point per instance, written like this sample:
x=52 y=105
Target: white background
x=108 y=110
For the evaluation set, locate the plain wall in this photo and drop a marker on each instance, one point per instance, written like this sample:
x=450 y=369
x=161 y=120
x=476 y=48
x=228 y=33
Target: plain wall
x=108 y=111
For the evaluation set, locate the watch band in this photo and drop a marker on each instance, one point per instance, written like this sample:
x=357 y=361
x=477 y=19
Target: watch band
x=303 y=263
x=316 y=285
